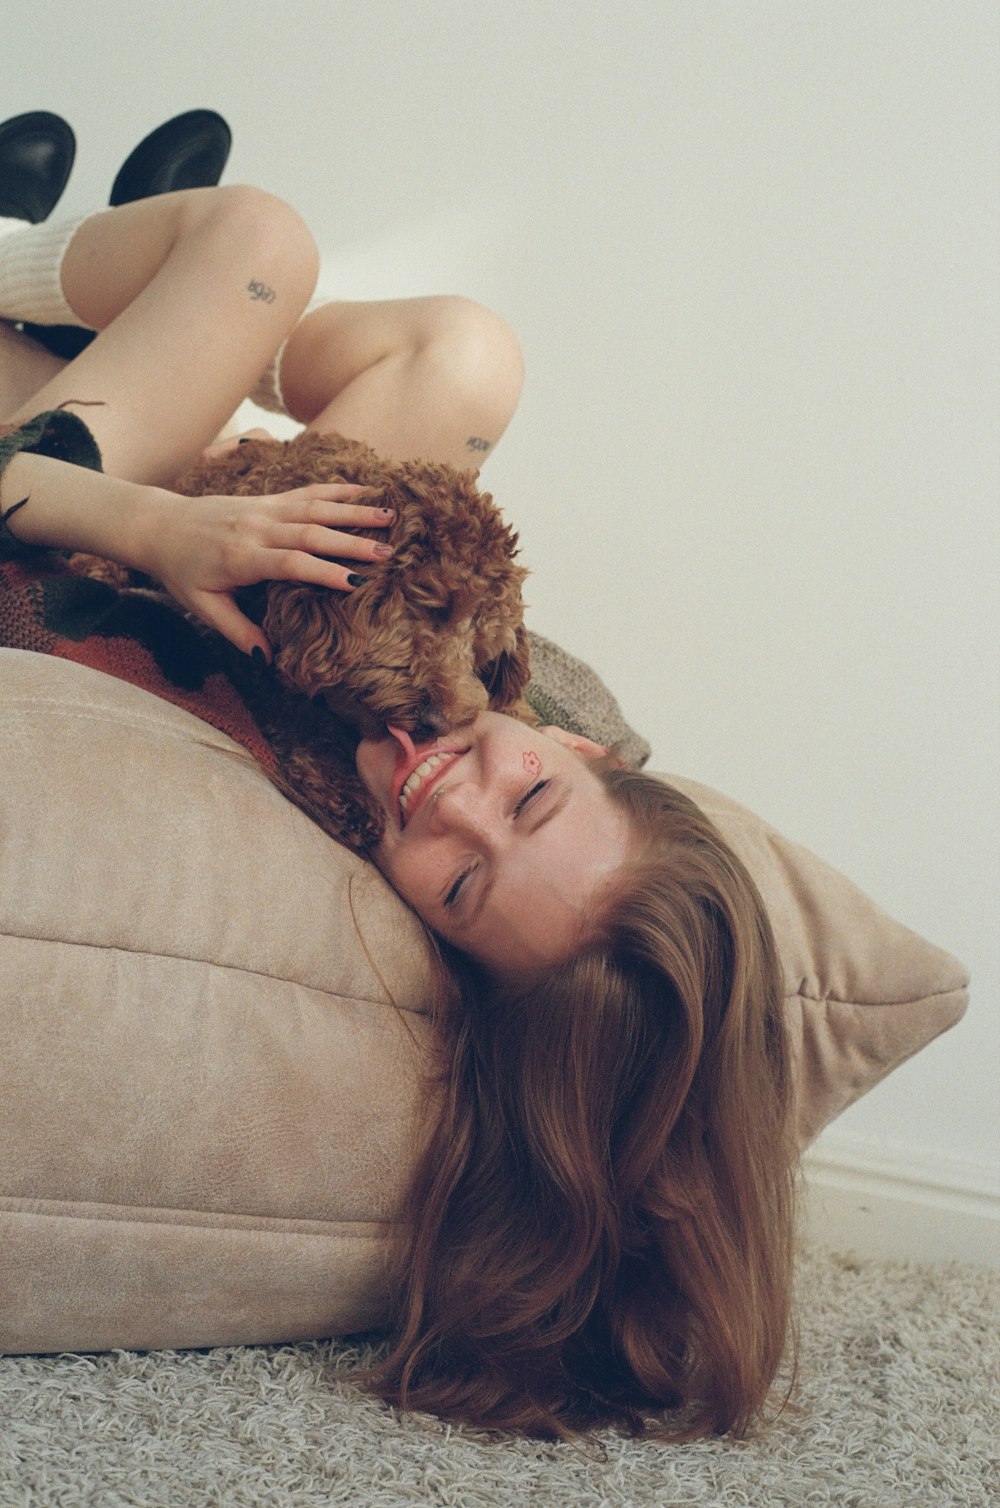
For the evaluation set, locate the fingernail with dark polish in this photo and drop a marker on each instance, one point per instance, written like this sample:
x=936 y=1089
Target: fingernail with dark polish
x=243 y=440
x=355 y=580
x=258 y=656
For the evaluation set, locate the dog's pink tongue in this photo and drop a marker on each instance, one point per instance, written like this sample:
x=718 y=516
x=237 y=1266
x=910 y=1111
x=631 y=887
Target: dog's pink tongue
x=405 y=739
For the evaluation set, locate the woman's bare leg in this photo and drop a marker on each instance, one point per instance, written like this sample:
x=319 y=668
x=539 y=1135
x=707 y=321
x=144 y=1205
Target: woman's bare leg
x=437 y=378
x=192 y=293
x=25 y=368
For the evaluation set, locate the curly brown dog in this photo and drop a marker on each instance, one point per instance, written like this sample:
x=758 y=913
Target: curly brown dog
x=436 y=633
x=433 y=637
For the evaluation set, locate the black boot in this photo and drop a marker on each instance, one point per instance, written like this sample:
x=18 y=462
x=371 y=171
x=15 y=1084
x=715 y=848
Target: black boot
x=36 y=156
x=187 y=152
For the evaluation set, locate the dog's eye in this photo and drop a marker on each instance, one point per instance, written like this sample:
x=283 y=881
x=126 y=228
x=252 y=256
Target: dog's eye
x=492 y=675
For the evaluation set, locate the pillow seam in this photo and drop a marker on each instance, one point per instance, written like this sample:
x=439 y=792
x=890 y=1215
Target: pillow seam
x=874 y=1004
x=52 y=706
x=211 y=1224
x=233 y=968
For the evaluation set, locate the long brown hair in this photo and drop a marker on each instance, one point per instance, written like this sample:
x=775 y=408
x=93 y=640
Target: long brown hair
x=600 y=1226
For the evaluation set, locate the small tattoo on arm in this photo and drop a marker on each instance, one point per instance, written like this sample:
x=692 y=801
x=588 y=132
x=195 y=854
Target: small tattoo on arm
x=474 y=442
x=261 y=292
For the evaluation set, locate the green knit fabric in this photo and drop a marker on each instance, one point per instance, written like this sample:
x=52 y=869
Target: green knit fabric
x=567 y=692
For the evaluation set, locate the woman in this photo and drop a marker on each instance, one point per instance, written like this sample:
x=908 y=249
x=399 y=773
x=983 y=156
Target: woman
x=599 y=1226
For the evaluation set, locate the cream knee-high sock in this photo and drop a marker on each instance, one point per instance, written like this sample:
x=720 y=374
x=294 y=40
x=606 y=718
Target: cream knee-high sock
x=30 y=262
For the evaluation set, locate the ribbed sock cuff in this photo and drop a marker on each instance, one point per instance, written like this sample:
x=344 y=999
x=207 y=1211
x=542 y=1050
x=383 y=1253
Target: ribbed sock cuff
x=268 y=394
x=30 y=262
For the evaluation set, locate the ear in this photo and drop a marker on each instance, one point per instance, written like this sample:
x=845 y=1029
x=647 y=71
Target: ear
x=506 y=676
x=576 y=741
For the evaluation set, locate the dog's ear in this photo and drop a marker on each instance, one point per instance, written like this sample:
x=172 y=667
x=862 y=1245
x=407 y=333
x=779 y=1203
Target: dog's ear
x=307 y=631
x=506 y=676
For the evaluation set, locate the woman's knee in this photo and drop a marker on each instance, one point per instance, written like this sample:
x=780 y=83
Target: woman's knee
x=266 y=234
x=234 y=231
x=480 y=351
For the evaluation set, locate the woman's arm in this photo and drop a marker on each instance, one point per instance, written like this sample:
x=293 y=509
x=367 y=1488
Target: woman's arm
x=201 y=549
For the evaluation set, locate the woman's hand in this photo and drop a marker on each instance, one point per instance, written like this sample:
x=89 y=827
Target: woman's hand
x=201 y=549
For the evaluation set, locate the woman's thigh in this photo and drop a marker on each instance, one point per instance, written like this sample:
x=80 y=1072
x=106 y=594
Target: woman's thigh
x=24 y=368
x=437 y=377
x=193 y=293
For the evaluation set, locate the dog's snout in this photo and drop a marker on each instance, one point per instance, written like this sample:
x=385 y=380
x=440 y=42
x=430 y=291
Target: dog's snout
x=423 y=723
x=432 y=722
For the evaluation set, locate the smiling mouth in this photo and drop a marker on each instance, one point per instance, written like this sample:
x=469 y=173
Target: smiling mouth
x=420 y=780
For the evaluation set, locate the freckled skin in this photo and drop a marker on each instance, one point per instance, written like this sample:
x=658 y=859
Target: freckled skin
x=529 y=875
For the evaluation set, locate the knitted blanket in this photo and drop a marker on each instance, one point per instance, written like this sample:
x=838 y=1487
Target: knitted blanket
x=566 y=691
x=134 y=635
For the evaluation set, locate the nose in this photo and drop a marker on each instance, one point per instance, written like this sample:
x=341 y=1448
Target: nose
x=460 y=807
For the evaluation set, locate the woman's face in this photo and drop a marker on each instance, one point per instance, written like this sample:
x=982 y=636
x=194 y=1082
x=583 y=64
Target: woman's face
x=499 y=835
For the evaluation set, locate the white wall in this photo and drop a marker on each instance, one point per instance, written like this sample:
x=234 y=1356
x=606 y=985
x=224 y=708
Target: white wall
x=751 y=250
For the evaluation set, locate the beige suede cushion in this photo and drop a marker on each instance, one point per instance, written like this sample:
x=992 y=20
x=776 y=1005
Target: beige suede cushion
x=207 y=1099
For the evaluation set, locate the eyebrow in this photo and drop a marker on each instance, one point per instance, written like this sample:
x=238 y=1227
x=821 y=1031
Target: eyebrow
x=553 y=810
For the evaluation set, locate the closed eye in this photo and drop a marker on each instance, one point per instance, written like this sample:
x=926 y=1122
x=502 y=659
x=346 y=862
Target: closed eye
x=530 y=796
x=456 y=889
x=455 y=892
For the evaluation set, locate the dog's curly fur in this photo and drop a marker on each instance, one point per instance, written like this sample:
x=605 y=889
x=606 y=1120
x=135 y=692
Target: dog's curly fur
x=433 y=637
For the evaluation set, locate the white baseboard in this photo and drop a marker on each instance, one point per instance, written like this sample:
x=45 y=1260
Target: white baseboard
x=902 y=1204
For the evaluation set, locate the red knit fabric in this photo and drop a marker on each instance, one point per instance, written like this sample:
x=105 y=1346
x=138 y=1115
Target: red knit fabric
x=46 y=607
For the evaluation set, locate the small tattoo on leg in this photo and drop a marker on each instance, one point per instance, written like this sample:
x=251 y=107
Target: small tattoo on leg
x=260 y=292
x=475 y=442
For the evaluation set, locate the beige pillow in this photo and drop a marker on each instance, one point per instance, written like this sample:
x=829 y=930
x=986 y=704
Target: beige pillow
x=207 y=1098
x=863 y=992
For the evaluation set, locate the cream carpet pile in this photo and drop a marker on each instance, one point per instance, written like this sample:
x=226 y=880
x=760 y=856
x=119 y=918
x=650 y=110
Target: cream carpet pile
x=897 y=1407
